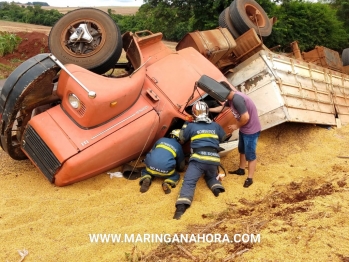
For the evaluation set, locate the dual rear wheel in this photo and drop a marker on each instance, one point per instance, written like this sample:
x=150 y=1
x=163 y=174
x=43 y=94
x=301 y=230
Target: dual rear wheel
x=243 y=15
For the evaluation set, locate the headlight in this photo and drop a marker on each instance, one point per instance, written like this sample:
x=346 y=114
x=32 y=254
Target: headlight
x=74 y=101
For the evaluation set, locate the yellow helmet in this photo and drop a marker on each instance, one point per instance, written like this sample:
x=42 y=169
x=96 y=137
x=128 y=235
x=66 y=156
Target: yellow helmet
x=175 y=133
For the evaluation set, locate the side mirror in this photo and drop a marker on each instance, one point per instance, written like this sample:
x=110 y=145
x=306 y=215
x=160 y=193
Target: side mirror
x=215 y=89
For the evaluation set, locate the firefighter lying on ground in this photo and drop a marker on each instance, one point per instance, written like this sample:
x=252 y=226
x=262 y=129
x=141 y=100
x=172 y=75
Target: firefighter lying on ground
x=162 y=161
x=205 y=137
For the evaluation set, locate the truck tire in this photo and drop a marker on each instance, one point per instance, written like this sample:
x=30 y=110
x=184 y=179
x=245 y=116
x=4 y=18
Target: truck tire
x=243 y=14
x=345 y=57
x=225 y=21
x=28 y=88
x=87 y=37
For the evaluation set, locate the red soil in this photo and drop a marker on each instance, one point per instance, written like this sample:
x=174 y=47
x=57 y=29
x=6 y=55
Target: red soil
x=32 y=43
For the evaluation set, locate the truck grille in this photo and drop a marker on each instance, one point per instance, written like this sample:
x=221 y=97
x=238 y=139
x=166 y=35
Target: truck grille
x=82 y=109
x=40 y=154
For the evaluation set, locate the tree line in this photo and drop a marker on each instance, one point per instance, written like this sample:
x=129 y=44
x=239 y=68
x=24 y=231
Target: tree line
x=324 y=23
x=28 y=14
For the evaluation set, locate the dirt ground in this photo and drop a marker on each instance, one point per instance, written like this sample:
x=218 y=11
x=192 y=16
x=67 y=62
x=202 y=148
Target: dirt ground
x=23 y=27
x=298 y=205
x=34 y=41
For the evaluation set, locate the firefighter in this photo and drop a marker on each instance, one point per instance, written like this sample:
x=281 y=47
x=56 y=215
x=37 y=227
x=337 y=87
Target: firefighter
x=204 y=136
x=162 y=161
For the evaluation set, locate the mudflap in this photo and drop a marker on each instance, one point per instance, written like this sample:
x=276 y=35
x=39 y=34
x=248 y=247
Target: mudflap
x=29 y=86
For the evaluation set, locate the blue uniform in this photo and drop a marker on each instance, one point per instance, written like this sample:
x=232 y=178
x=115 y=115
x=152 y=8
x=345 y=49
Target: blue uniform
x=204 y=142
x=162 y=161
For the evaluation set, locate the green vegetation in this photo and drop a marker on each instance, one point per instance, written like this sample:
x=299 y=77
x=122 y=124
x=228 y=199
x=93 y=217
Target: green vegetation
x=310 y=24
x=15 y=60
x=173 y=18
x=29 y=14
x=342 y=9
x=8 y=43
x=38 y=3
x=5 y=67
x=5 y=70
x=324 y=23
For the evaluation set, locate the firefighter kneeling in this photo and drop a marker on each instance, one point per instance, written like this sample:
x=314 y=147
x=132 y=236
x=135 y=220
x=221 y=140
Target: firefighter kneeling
x=162 y=161
x=205 y=137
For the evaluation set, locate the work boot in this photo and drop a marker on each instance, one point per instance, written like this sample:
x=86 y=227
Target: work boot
x=216 y=192
x=166 y=187
x=145 y=185
x=248 y=182
x=239 y=172
x=180 y=209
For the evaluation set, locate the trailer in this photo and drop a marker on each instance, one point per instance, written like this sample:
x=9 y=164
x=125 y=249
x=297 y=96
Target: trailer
x=285 y=89
x=309 y=87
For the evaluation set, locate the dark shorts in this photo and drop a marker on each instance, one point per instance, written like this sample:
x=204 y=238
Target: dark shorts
x=247 y=145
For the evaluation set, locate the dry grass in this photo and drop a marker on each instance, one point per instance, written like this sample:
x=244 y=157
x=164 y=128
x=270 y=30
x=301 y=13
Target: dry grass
x=23 y=27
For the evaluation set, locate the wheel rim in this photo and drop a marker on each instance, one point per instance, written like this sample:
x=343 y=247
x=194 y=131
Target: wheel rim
x=82 y=48
x=255 y=16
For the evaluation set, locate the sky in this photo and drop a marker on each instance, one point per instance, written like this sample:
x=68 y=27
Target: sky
x=91 y=3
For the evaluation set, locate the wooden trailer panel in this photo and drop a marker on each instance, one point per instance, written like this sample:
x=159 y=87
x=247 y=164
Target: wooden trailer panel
x=285 y=89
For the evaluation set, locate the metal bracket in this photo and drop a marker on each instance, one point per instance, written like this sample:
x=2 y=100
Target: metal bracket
x=81 y=34
x=91 y=94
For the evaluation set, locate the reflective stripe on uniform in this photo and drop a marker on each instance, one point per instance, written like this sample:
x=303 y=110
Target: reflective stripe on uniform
x=168 y=149
x=171 y=182
x=153 y=172
x=183 y=199
x=204 y=136
x=208 y=158
x=144 y=177
x=216 y=186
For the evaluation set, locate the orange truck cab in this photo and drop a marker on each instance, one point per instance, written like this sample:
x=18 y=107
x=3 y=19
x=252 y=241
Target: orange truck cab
x=74 y=124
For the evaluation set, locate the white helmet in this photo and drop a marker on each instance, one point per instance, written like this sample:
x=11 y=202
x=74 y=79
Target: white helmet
x=200 y=111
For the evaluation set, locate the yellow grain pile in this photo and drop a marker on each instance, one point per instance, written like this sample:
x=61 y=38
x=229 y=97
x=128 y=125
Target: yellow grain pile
x=298 y=205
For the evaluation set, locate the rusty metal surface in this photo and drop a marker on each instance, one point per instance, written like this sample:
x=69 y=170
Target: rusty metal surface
x=339 y=84
x=296 y=51
x=324 y=57
x=346 y=69
x=246 y=43
x=213 y=44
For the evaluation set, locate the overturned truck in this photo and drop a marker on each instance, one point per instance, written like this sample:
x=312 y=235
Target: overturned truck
x=81 y=110
x=74 y=121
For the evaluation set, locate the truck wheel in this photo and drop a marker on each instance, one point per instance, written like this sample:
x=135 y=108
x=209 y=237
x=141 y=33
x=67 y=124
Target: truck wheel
x=87 y=37
x=345 y=57
x=247 y=14
x=27 y=91
x=225 y=21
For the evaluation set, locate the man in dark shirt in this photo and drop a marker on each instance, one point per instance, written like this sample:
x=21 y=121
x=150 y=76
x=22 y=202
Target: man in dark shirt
x=249 y=127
